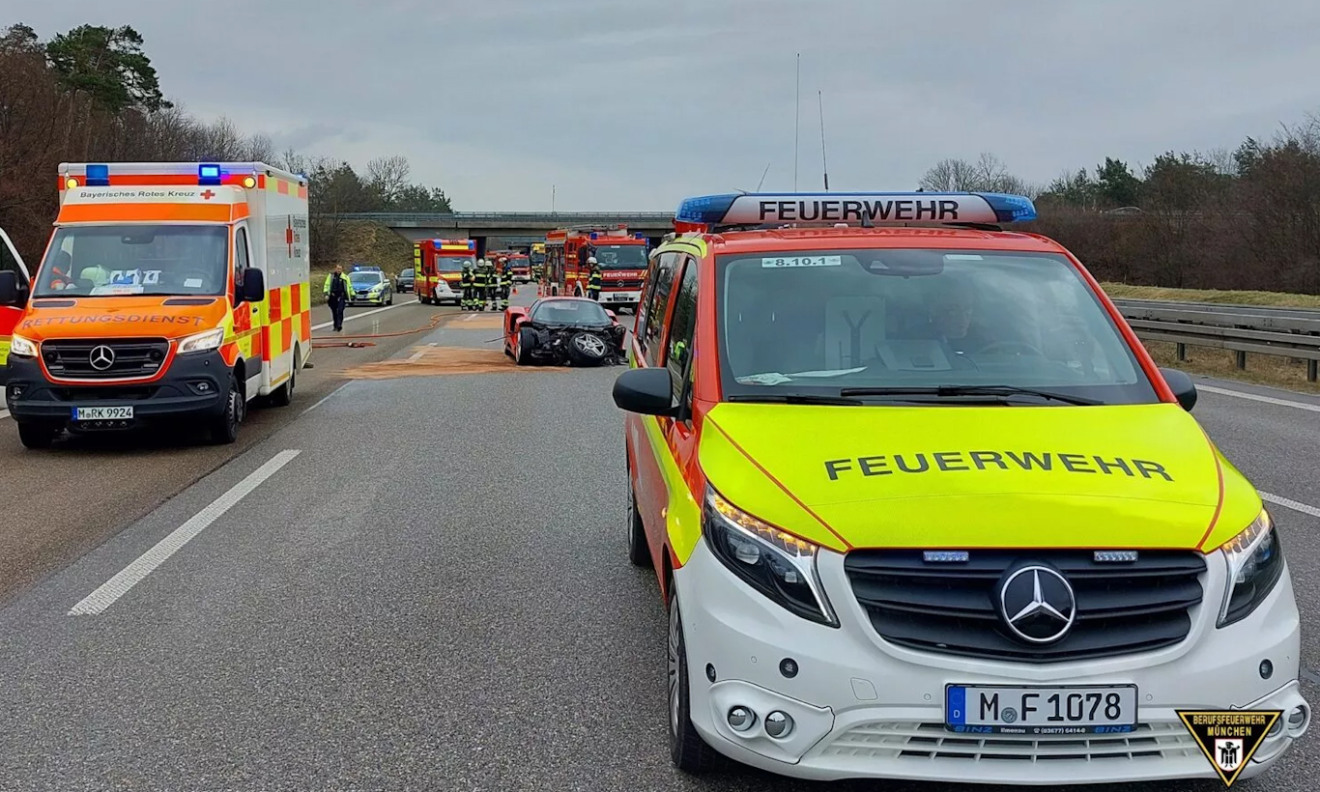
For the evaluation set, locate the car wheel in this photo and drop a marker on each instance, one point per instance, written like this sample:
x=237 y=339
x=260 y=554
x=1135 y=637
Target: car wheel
x=224 y=429
x=587 y=349
x=688 y=751
x=36 y=435
x=639 y=551
x=521 y=352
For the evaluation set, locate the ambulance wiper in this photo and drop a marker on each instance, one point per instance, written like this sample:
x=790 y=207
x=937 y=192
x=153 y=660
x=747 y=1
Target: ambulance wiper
x=795 y=398
x=969 y=390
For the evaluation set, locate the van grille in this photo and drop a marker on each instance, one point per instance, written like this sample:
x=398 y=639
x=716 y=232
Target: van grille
x=950 y=608
x=87 y=359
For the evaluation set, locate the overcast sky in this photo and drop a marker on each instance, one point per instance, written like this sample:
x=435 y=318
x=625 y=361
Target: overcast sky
x=633 y=104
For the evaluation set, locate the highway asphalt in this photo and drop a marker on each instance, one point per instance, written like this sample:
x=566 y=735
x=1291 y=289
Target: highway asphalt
x=422 y=583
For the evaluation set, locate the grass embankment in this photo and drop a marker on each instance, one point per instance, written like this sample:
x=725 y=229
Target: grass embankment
x=1272 y=370
x=365 y=243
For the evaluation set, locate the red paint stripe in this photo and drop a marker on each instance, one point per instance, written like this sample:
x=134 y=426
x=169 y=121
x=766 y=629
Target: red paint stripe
x=295 y=304
x=306 y=325
x=286 y=329
x=781 y=486
x=1219 y=507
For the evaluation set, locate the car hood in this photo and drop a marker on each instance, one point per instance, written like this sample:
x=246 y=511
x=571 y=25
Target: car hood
x=1133 y=476
x=164 y=317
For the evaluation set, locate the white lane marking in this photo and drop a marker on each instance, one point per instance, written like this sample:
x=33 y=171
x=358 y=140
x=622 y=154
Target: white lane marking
x=1259 y=398
x=351 y=317
x=327 y=398
x=416 y=357
x=1289 y=503
x=131 y=575
x=470 y=317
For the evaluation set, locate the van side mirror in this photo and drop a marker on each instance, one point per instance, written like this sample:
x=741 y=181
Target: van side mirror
x=648 y=391
x=1182 y=386
x=8 y=288
x=254 y=285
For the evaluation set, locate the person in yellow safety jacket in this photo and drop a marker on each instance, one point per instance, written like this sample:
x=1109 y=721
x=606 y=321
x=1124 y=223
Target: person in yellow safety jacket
x=336 y=291
x=593 y=281
x=492 y=284
x=468 y=291
x=479 y=284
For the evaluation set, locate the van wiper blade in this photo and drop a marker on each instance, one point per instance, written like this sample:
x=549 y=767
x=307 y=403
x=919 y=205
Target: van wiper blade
x=970 y=390
x=796 y=398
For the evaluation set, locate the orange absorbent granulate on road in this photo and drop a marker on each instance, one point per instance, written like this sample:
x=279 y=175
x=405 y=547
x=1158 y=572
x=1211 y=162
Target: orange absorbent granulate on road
x=441 y=361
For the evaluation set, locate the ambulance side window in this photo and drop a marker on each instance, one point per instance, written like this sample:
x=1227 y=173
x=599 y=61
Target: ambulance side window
x=656 y=309
x=679 y=340
x=240 y=258
x=9 y=262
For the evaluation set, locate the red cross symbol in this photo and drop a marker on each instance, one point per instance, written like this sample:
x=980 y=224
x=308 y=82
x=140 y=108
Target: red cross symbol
x=288 y=237
x=208 y=195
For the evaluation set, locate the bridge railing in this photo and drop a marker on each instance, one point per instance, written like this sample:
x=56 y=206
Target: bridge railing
x=458 y=218
x=1283 y=332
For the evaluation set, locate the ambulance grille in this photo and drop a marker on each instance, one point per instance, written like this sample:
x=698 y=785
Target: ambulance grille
x=130 y=358
x=950 y=608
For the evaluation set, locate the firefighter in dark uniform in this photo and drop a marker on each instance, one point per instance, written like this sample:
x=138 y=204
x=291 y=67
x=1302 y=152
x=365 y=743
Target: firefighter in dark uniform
x=593 y=280
x=503 y=284
x=489 y=297
x=466 y=281
x=479 y=286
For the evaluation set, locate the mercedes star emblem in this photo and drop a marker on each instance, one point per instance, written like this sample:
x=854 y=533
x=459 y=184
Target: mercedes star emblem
x=1037 y=604
x=102 y=357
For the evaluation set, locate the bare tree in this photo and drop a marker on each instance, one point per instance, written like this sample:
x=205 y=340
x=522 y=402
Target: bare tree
x=387 y=177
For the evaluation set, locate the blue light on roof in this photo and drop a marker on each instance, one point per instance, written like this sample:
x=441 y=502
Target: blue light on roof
x=1011 y=208
x=708 y=209
x=208 y=175
x=98 y=175
x=593 y=235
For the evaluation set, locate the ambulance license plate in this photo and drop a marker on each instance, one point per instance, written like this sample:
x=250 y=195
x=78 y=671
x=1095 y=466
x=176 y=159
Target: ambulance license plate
x=102 y=413
x=1089 y=709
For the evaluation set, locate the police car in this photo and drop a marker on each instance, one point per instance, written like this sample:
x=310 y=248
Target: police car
x=921 y=506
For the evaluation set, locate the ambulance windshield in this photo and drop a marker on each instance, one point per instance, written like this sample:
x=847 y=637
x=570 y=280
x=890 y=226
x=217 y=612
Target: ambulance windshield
x=112 y=261
x=454 y=263
x=887 y=324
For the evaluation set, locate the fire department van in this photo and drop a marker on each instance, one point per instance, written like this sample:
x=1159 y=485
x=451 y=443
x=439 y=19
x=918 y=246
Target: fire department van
x=921 y=506
x=167 y=291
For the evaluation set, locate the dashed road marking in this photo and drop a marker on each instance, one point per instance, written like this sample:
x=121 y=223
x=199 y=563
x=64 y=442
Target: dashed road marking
x=326 y=398
x=131 y=575
x=1289 y=503
x=1259 y=398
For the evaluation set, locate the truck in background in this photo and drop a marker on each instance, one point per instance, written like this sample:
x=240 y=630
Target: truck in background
x=168 y=292
x=621 y=256
x=438 y=264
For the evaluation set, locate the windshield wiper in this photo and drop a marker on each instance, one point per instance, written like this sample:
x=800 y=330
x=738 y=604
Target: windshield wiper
x=796 y=398
x=969 y=390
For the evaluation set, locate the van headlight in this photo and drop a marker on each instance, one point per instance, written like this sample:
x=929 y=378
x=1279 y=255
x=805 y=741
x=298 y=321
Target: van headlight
x=22 y=347
x=777 y=564
x=202 y=342
x=1255 y=564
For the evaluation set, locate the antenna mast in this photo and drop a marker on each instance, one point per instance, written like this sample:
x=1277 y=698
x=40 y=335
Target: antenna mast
x=763 y=173
x=824 y=168
x=797 y=118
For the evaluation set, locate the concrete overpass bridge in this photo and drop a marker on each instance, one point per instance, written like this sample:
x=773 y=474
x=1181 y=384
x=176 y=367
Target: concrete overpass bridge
x=495 y=230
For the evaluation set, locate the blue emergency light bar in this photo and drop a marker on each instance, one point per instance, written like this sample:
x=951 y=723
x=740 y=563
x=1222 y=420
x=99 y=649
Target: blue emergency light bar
x=208 y=175
x=855 y=209
x=98 y=176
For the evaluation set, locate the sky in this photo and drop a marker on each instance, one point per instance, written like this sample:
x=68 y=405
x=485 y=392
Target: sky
x=619 y=105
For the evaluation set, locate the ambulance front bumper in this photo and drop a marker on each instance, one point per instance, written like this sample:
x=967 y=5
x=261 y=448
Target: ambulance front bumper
x=194 y=384
x=865 y=708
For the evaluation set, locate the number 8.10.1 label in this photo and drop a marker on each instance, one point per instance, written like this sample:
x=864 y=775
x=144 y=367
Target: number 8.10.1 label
x=802 y=261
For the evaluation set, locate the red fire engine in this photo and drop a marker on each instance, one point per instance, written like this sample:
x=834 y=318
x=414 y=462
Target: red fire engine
x=621 y=256
x=439 y=269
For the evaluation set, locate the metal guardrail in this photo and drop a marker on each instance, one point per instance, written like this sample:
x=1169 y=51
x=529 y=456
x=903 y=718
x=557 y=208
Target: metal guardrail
x=1283 y=332
x=459 y=218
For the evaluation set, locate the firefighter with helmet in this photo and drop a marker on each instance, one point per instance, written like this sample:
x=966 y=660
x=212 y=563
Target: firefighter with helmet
x=503 y=283
x=479 y=286
x=593 y=280
x=466 y=281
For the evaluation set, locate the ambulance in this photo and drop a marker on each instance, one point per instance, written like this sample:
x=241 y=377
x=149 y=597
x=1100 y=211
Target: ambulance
x=921 y=506
x=168 y=292
x=438 y=266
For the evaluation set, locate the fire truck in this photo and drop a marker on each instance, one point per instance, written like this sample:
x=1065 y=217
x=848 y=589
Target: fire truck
x=537 y=256
x=621 y=256
x=438 y=265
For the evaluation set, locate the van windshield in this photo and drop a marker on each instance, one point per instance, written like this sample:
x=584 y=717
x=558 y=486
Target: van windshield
x=872 y=324
x=111 y=261
x=615 y=257
x=453 y=263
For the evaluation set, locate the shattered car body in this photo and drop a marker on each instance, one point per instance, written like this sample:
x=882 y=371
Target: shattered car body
x=563 y=331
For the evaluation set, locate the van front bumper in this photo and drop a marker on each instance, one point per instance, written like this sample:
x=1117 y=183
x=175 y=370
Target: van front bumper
x=196 y=384
x=865 y=708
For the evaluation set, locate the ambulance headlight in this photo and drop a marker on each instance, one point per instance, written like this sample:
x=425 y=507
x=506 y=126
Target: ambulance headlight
x=22 y=347
x=1255 y=564
x=775 y=563
x=201 y=342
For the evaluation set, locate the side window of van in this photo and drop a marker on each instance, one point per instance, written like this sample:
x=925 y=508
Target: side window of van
x=656 y=306
x=9 y=261
x=680 y=338
x=240 y=258
x=648 y=286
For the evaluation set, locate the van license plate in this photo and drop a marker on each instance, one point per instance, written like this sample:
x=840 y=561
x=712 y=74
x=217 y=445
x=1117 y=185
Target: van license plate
x=1092 y=709
x=102 y=413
